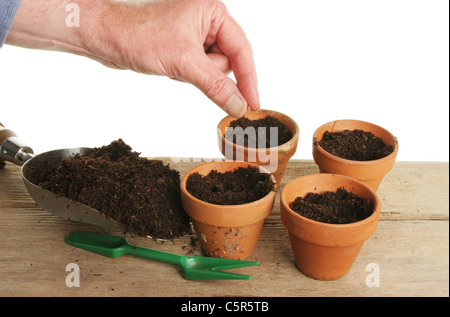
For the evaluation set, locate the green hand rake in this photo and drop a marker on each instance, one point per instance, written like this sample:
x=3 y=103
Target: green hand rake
x=194 y=267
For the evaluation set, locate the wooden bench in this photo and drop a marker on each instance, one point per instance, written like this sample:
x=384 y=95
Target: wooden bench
x=410 y=248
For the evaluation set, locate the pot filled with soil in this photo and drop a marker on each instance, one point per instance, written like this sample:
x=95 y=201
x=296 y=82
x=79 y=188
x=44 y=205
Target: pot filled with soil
x=267 y=138
x=328 y=217
x=228 y=203
x=358 y=149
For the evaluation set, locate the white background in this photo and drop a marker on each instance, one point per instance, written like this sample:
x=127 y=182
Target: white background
x=386 y=62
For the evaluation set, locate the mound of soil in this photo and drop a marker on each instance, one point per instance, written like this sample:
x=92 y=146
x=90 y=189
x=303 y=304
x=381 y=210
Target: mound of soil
x=240 y=186
x=338 y=207
x=355 y=145
x=240 y=137
x=142 y=195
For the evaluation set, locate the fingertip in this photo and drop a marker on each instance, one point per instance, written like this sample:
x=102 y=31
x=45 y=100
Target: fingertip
x=253 y=103
x=254 y=107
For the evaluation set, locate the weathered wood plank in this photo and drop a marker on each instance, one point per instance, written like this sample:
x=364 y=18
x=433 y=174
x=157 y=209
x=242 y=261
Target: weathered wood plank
x=412 y=257
x=410 y=247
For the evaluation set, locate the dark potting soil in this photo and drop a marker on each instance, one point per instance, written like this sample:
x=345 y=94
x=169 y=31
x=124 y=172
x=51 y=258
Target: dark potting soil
x=142 y=195
x=249 y=139
x=240 y=186
x=355 y=145
x=338 y=207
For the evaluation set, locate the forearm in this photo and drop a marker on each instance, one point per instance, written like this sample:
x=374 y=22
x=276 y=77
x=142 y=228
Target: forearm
x=42 y=24
x=47 y=25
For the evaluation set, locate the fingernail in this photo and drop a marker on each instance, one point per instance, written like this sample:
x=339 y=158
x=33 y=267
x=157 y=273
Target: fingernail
x=236 y=107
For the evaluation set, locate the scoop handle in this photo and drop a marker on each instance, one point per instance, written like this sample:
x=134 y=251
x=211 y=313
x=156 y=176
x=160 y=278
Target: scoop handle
x=12 y=148
x=1 y=162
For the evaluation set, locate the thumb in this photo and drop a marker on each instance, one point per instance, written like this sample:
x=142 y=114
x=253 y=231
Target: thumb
x=217 y=86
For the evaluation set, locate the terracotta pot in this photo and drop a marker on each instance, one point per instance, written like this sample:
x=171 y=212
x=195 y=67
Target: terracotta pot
x=326 y=251
x=226 y=231
x=274 y=159
x=370 y=172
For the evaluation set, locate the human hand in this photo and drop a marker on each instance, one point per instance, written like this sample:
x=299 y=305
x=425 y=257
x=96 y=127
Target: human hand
x=194 y=41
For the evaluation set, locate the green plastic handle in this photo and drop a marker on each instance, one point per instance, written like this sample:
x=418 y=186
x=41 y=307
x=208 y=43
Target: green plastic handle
x=153 y=254
x=115 y=246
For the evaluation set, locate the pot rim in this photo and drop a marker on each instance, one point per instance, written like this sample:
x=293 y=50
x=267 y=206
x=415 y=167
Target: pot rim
x=355 y=162
x=285 y=146
x=376 y=207
x=185 y=192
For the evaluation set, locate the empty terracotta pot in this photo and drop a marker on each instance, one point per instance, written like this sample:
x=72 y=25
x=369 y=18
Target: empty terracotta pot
x=369 y=172
x=274 y=159
x=226 y=231
x=326 y=251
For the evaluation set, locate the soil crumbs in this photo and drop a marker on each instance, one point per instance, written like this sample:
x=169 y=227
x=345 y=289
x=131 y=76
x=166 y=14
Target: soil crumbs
x=338 y=207
x=237 y=187
x=142 y=195
x=252 y=140
x=355 y=145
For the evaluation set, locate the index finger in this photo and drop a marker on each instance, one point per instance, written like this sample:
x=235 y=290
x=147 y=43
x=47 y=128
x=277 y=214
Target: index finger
x=233 y=42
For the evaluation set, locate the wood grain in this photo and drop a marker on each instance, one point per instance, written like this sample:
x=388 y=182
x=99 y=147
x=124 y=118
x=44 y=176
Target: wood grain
x=410 y=247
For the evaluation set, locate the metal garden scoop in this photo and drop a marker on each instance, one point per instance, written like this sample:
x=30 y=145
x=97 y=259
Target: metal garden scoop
x=12 y=149
x=194 y=267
